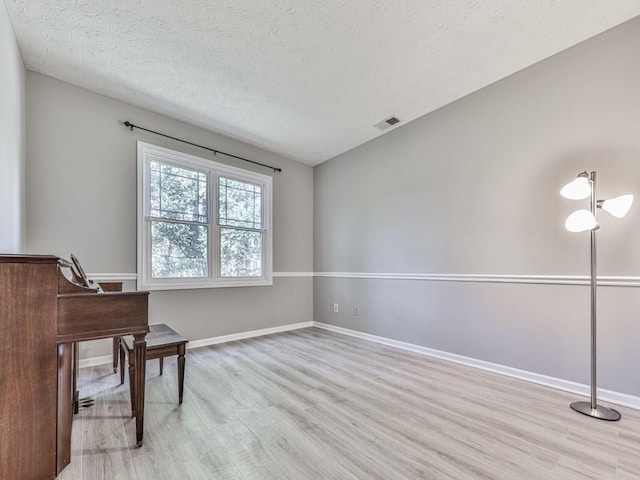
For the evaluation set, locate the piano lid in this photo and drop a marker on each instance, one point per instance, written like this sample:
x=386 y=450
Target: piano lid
x=70 y=282
x=74 y=274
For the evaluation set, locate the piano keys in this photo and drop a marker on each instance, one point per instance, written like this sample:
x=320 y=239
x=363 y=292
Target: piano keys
x=45 y=309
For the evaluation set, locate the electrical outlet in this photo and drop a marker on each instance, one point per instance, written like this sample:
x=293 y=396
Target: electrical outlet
x=356 y=311
x=336 y=308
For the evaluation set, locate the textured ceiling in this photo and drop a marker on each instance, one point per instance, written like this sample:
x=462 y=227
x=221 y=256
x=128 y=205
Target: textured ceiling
x=306 y=79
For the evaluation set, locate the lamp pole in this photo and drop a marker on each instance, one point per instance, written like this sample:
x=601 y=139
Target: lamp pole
x=594 y=283
x=592 y=408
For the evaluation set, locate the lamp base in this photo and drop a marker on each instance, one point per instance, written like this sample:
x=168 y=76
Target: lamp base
x=600 y=412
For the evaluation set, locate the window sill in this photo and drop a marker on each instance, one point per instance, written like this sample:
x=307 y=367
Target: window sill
x=191 y=285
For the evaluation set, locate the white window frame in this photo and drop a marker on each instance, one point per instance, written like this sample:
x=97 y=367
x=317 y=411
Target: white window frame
x=148 y=152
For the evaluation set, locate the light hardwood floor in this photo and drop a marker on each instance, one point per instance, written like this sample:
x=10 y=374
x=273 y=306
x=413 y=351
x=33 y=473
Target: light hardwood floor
x=311 y=404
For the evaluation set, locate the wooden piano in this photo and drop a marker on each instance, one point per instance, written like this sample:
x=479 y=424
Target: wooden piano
x=45 y=309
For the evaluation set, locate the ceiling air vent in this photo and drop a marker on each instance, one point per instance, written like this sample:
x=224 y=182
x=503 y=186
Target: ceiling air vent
x=389 y=122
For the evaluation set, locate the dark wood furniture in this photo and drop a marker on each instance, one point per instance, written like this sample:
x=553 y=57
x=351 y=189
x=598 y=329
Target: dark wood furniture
x=162 y=341
x=43 y=314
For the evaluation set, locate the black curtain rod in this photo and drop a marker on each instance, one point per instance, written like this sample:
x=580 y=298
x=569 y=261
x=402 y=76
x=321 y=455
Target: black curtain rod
x=131 y=126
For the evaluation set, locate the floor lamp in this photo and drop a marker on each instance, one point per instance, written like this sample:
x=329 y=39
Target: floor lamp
x=581 y=221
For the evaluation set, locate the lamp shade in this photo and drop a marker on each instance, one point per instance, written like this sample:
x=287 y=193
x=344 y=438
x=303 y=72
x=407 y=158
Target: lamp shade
x=580 y=221
x=618 y=206
x=577 y=189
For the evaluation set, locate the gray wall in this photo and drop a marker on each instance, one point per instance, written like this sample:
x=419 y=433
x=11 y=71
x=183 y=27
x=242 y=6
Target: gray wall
x=12 y=139
x=81 y=198
x=473 y=189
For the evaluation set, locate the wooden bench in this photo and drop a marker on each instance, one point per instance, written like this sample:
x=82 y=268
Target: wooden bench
x=162 y=341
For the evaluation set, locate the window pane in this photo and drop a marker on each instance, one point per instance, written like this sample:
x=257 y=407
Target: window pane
x=178 y=250
x=240 y=204
x=177 y=193
x=240 y=253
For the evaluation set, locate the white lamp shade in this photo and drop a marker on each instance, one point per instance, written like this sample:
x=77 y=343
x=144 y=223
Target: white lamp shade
x=580 y=221
x=618 y=206
x=577 y=189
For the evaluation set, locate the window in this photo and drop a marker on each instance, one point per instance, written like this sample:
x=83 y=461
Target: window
x=200 y=223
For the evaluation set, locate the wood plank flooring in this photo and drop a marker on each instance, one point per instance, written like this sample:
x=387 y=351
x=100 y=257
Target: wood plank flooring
x=311 y=404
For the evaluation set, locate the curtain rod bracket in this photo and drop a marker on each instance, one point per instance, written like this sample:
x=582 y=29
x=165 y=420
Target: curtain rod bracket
x=131 y=126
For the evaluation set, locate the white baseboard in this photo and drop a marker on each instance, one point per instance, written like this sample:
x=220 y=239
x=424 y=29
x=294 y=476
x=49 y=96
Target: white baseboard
x=95 y=361
x=618 y=398
x=243 y=335
x=107 y=359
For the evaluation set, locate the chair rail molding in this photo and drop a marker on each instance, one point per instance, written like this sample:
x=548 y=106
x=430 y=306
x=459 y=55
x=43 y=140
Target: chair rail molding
x=605 y=281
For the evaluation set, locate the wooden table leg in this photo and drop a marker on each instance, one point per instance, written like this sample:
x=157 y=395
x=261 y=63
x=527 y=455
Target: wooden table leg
x=122 y=359
x=140 y=354
x=76 y=366
x=132 y=383
x=116 y=350
x=181 y=350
